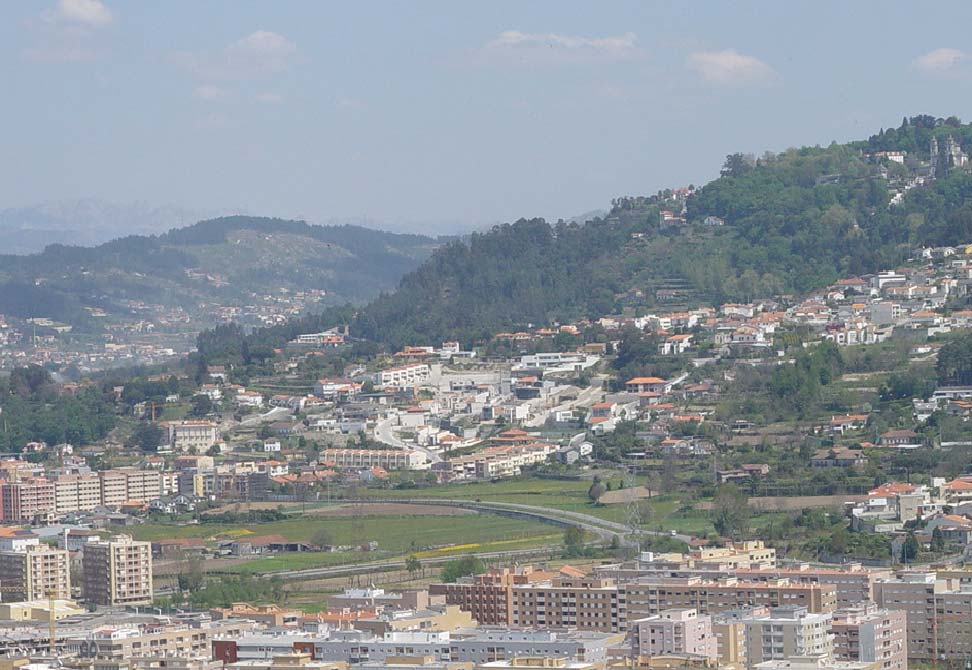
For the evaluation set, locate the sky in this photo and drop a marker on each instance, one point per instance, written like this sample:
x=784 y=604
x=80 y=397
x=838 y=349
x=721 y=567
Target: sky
x=445 y=116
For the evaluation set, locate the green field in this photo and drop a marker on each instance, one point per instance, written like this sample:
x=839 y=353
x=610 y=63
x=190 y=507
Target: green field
x=569 y=495
x=559 y=494
x=396 y=536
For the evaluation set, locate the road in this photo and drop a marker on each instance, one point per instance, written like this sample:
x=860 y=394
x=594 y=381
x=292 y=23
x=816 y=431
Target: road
x=399 y=564
x=273 y=415
x=585 y=398
x=385 y=433
x=604 y=529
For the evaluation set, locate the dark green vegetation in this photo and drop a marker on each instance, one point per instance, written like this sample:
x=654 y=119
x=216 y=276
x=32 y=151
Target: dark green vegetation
x=955 y=359
x=200 y=591
x=796 y=390
x=240 y=254
x=35 y=409
x=462 y=567
x=794 y=221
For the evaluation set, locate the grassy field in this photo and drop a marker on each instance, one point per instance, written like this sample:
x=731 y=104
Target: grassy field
x=667 y=513
x=395 y=535
x=282 y=562
x=553 y=493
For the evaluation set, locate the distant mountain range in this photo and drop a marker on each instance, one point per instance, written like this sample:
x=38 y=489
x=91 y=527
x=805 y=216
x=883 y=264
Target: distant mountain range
x=222 y=261
x=87 y=222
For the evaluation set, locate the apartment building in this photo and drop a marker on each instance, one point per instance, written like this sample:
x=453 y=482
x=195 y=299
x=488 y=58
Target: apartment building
x=189 y=435
x=500 y=461
x=489 y=596
x=600 y=603
x=708 y=562
x=84 y=492
x=651 y=595
x=474 y=646
x=787 y=632
x=390 y=459
x=939 y=614
x=868 y=633
x=570 y=601
x=406 y=375
x=853 y=583
x=76 y=493
x=35 y=573
x=677 y=632
x=729 y=628
x=114 y=487
x=751 y=554
x=143 y=485
x=28 y=500
x=169 y=483
x=178 y=640
x=118 y=571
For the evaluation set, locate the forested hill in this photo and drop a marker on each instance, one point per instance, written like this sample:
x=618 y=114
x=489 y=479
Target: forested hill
x=220 y=261
x=783 y=223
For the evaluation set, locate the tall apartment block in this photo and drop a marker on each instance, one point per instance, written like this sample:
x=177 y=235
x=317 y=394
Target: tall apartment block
x=37 y=572
x=787 y=632
x=868 y=633
x=118 y=572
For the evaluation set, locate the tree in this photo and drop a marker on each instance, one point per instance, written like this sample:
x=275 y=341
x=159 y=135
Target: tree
x=202 y=370
x=668 y=481
x=595 y=491
x=413 y=565
x=642 y=513
x=191 y=577
x=461 y=567
x=909 y=550
x=29 y=380
x=736 y=165
x=147 y=436
x=322 y=538
x=838 y=541
x=955 y=359
x=731 y=511
x=573 y=538
x=938 y=540
x=200 y=405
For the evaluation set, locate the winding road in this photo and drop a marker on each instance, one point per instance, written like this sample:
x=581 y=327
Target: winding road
x=604 y=529
x=385 y=433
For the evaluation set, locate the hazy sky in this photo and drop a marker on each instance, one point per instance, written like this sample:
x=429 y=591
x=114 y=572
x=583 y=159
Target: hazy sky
x=446 y=114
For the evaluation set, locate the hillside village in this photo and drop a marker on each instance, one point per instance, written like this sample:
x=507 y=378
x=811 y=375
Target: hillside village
x=673 y=483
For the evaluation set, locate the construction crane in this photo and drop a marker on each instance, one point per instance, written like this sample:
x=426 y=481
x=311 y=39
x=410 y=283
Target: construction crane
x=51 y=615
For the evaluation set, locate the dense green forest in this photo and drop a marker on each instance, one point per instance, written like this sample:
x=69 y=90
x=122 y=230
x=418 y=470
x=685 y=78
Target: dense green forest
x=251 y=254
x=794 y=221
x=33 y=409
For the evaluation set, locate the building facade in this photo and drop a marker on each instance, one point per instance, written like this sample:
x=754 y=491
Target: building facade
x=118 y=572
